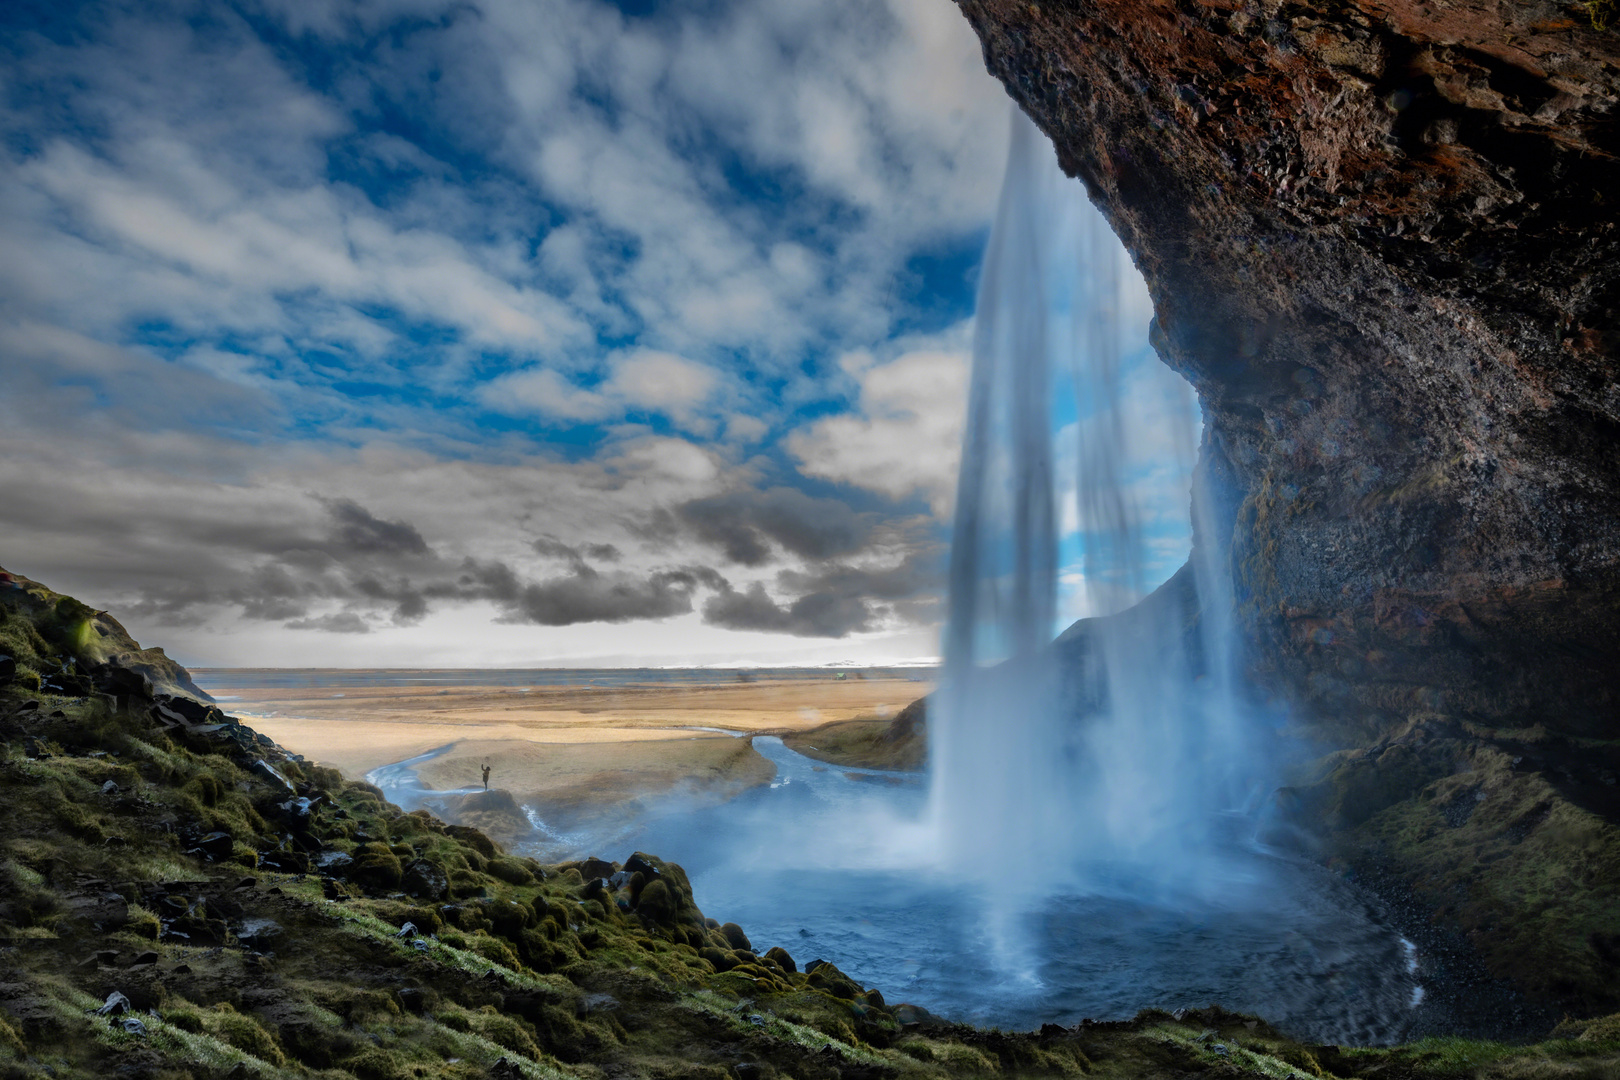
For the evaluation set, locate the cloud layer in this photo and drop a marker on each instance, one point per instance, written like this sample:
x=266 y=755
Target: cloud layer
x=428 y=331
x=348 y=321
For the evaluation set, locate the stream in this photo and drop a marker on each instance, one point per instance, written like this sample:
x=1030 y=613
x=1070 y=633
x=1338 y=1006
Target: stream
x=834 y=863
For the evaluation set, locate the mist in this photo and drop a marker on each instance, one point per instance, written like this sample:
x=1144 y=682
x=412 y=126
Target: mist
x=1084 y=842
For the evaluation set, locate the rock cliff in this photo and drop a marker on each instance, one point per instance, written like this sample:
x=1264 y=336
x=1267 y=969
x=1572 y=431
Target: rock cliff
x=1380 y=239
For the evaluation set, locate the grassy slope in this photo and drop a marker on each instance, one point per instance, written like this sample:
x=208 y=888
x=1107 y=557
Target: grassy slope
x=869 y=742
x=237 y=965
x=1497 y=836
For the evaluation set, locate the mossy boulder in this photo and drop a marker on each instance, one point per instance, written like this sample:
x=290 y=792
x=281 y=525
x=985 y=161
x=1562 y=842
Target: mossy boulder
x=1603 y=1029
x=425 y=880
x=511 y=871
x=657 y=903
x=474 y=839
x=376 y=867
x=734 y=934
x=827 y=977
x=719 y=959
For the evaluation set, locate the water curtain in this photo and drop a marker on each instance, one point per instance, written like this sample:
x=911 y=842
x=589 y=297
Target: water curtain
x=1112 y=754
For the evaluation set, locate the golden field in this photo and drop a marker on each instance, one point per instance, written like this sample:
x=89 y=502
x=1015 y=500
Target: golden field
x=566 y=747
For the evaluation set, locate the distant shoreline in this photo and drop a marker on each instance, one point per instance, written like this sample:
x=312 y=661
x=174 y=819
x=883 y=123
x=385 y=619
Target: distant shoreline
x=712 y=668
x=211 y=678
x=573 y=744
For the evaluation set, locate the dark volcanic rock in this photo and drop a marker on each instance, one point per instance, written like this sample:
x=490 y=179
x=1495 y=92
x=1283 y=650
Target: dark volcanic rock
x=121 y=683
x=425 y=880
x=596 y=868
x=266 y=772
x=217 y=845
x=1380 y=241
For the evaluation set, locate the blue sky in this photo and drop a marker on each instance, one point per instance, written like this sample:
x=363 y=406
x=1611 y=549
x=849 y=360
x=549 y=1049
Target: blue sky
x=399 y=332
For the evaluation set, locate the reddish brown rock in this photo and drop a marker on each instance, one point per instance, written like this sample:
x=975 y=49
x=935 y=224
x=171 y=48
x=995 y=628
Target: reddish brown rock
x=1381 y=241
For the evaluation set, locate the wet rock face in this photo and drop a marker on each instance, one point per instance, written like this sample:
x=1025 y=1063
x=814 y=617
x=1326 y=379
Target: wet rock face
x=1381 y=242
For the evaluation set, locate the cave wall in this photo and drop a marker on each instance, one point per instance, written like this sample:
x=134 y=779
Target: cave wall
x=1380 y=240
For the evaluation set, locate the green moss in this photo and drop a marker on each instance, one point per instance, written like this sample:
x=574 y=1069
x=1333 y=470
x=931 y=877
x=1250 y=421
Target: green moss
x=868 y=742
x=225 y=1024
x=206 y=789
x=143 y=923
x=376 y=1063
x=20 y=641
x=493 y=949
x=1602 y=1028
x=512 y=871
x=26 y=901
x=375 y=866
x=1533 y=879
x=506 y=1032
x=11 y=1040
x=523 y=952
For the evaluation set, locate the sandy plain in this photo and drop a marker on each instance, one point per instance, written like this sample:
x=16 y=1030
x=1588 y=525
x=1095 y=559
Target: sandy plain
x=565 y=747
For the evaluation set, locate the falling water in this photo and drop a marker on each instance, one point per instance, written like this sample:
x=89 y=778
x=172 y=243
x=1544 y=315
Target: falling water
x=1112 y=758
x=1079 y=850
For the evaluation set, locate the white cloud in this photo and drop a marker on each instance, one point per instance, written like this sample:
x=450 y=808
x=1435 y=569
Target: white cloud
x=288 y=241
x=640 y=380
x=880 y=108
x=238 y=285
x=544 y=391
x=647 y=379
x=210 y=203
x=743 y=428
x=904 y=438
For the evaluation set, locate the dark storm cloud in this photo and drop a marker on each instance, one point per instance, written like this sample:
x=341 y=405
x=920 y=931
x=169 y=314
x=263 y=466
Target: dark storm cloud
x=412 y=608
x=816 y=615
x=362 y=559
x=356 y=559
x=336 y=565
x=272 y=592
x=358 y=530
x=920 y=571
x=342 y=622
x=744 y=523
x=551 y=547
x=271 y=608
x=832 y=600
x=657 y=529
x=583 y=594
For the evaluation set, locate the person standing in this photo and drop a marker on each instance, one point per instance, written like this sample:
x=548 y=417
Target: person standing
x=486 y=776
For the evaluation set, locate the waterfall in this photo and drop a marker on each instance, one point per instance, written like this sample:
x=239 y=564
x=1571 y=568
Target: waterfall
x=1111 y=757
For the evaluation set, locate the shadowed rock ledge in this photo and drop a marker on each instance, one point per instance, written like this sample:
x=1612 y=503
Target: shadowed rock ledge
x=1380 y=239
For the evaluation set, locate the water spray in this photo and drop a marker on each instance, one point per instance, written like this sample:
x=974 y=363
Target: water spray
x=1103 y=762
